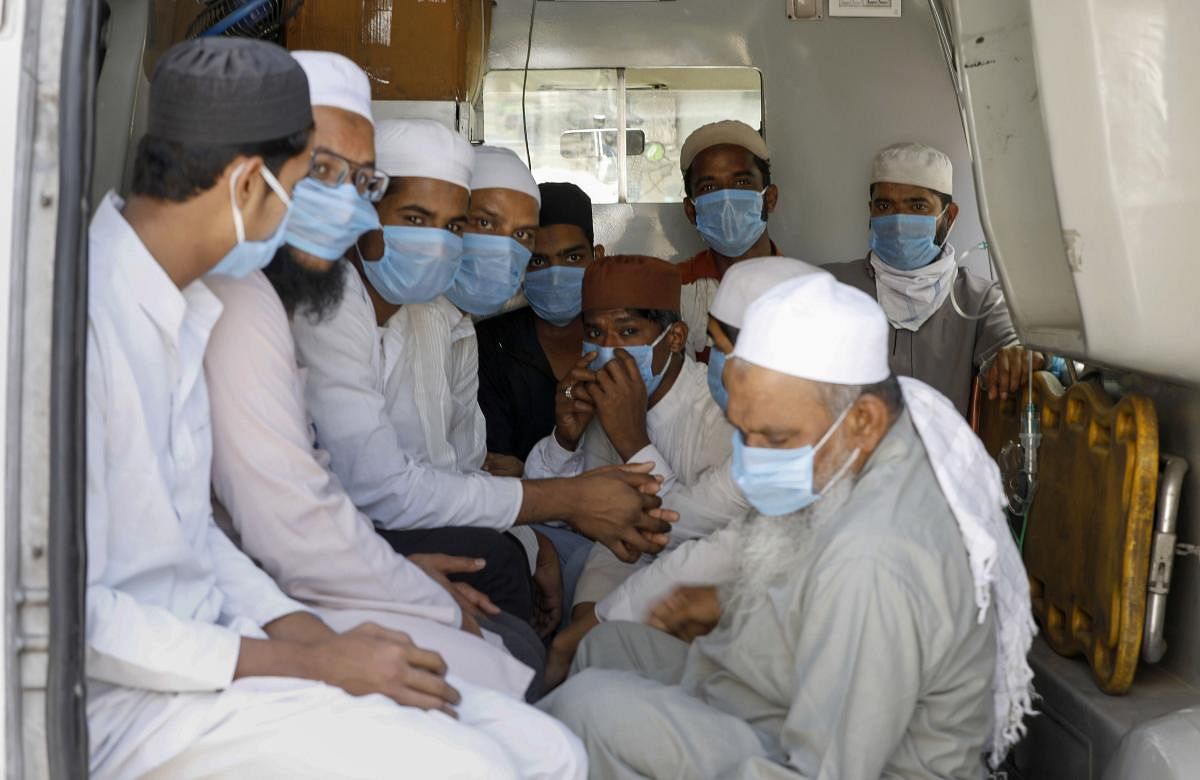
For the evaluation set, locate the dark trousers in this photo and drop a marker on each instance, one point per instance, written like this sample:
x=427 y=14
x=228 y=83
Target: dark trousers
x=525 y=645
x=505 y=580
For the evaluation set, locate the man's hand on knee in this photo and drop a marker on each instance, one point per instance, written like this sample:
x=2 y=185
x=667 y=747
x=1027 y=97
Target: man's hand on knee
x=472 y=602
x=372 y=659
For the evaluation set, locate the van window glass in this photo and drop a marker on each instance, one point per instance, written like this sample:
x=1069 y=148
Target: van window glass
x=615 y=132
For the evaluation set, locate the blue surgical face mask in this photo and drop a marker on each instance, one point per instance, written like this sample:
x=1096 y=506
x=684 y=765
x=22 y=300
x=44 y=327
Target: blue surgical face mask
x=730 y=221
x=326 y=221
x=716 y=386
x=906 y=242
x=780 y=482
x=555 y=293
x=246 y=257
x=491 y=272
x=417 y=266
x=643 y=355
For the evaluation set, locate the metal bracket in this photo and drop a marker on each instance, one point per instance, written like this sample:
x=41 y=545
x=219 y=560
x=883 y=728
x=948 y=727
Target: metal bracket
x=1184 y=550
x=1162 y=560
x=803 y=9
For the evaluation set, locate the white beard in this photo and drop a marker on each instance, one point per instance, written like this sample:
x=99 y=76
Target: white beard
x=775 y=548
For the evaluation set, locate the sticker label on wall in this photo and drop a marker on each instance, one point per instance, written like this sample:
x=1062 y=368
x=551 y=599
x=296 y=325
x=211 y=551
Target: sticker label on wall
x=886 y=8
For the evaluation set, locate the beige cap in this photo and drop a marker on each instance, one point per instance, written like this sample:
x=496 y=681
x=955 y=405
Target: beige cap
x=915 y=164
x=728 y=131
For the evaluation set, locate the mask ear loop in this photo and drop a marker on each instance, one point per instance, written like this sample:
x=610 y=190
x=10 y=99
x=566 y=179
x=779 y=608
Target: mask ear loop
x=239 y=227
x=833 y=427
x=670 y=355
x=275 y=186
x=841 y=472
x=845 y=467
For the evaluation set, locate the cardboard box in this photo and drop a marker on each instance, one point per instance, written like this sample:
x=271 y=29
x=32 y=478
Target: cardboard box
x=411 y=49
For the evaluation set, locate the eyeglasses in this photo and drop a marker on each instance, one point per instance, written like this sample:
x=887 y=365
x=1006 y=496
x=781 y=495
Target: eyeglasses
x=333 y=170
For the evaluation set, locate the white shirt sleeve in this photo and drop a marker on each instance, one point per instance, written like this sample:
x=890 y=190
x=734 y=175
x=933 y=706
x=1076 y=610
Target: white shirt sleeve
x=711 y=561
x=129 y=642
x=550 y=459
x=352 y=424
x=290 y=512
x=662 y=468
x=713 y=502
x=249 y=591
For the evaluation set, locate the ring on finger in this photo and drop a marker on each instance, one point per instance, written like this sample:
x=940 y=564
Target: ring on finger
x=569 y=392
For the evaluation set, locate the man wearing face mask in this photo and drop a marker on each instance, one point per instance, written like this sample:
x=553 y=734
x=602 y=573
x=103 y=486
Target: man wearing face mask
x=946 y=322
x=286 y=509
x=198 y=664
x=877 y=620
x=727 y=179
x=386 y=376
x=632 y=397
x=524 y=354
x=712 y=504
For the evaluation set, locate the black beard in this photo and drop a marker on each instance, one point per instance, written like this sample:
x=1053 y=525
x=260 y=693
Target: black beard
x=313 y=294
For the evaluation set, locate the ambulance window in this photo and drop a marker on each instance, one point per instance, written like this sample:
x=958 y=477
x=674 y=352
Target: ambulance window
x=573 y=122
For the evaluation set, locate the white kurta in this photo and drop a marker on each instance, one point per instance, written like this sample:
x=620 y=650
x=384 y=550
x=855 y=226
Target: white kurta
x=168 y=594
x=709 y=561
x=695 y=300
x=169 y=597
x=291 y=513
x=864 y=659
x=690 y=447
x=431 y=365
x=387 y=422
x=392 y=404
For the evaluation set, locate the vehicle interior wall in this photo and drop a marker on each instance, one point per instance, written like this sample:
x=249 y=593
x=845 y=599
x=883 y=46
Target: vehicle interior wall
x=1107 y=125
x=836 y=91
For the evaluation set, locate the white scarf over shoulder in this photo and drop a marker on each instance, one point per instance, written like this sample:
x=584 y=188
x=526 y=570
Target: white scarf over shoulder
x=970 y=481
x=818 y=329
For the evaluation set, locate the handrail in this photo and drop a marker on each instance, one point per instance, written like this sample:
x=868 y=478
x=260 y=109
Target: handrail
x=1162 y=557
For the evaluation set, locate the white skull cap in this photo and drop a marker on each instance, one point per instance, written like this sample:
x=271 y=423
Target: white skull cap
x=750 y=279
x=915 y=164
x=503 y=169
x=335 y=81
x=816 y=328
x=423 y=148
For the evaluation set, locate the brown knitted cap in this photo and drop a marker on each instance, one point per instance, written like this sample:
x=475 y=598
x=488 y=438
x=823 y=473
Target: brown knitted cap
x=631 y=282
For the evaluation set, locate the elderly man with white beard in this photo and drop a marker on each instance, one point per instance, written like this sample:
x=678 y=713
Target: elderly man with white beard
x=879 y=618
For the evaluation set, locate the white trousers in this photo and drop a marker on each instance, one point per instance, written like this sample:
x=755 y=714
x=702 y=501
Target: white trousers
x=268 y=727
x=482 y=662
